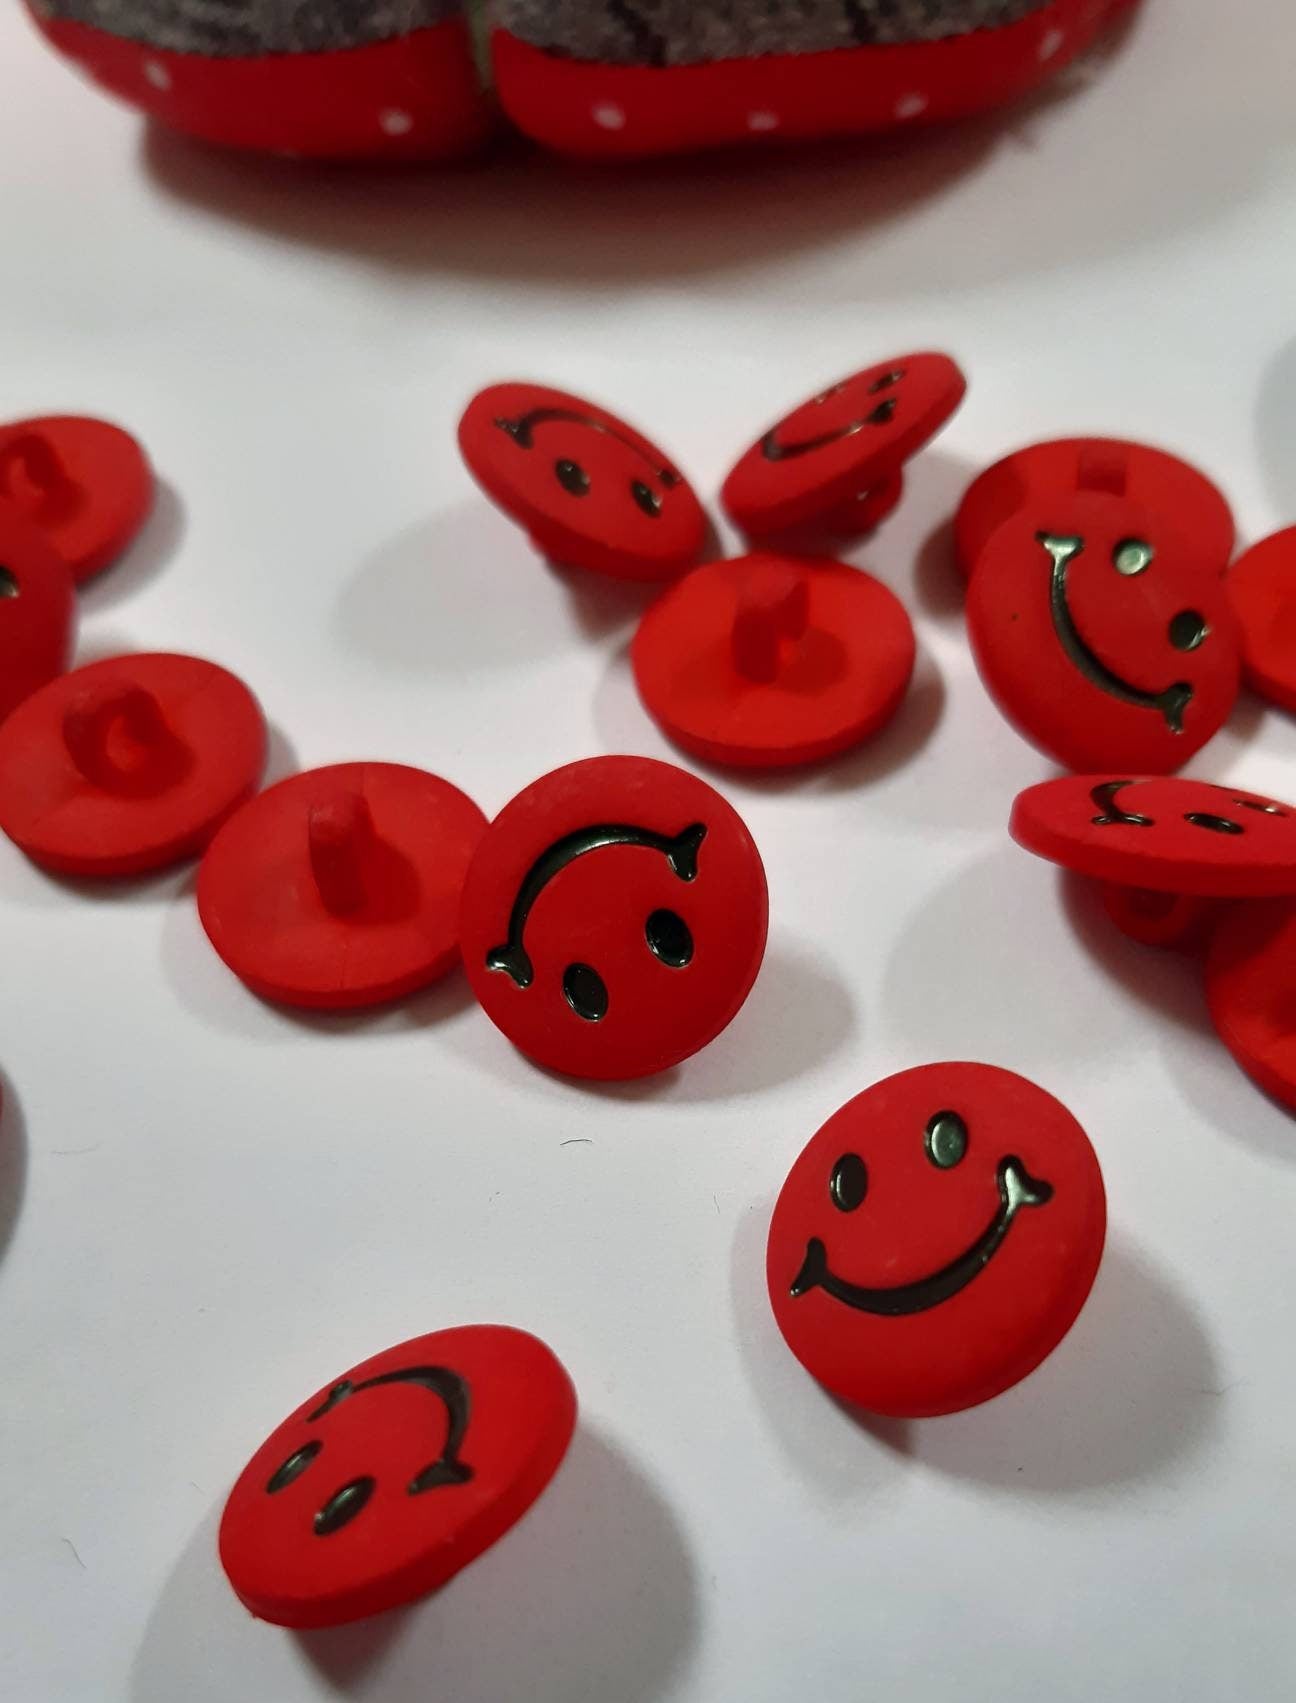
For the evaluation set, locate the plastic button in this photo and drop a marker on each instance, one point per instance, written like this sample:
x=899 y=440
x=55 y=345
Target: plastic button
x=37 y=610
x=852 y=438
x=1101 y=636
x=341 y=887
x=936 y=1239
x=129 y=764
x=770 y=661
x=386 y=1483
x=1251 y=992
x=614 y=918
x=591 y=491
x=1262 y=590
x=85 y=483
x=1156 y=480
x=1166 y=835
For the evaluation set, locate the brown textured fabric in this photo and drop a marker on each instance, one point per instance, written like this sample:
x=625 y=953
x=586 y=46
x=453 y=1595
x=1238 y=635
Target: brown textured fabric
x=241 y=28
x=683 y=32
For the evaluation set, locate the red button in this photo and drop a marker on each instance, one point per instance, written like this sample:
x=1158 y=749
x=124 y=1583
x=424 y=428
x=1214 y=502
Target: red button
x=852 y=438
x=87 y=485
x=592 y=491
x=37 y=610
x=769 y=661
x=386 y=1483
x=341 y=887
x=1162 y=483
x=1262 y=589
x=1251 y=991
x=1101 y=636
x=936 y=1239
x=1165 y=835
x=1157 y=919
x=614 y=918
x=128 y=764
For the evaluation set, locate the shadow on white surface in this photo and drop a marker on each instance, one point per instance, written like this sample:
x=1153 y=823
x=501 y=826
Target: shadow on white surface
x=591 y=1598
x=13 y=1161
x=157 y=543
x=836 y=1458
x=798 y=1016
x=1132 y=1393
x=465 y=591
x=1169 y=982
x=1276 y=433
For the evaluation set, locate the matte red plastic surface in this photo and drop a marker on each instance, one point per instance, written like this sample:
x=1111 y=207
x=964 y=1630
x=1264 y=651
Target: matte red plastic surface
x=86 y=483
x=415 y=97
x=591 y=491
x=936 y=1239
x=1251 y=991
x=1153 y=918
x=37 y=610
x=1262 y=590
x=1167 y=835
x=129 y=764
x=1101 y=636
x=1162 y=483
x=614 y=918
x=391 y=1479
x=851 y=438
x=341 y=887
x=769 y=661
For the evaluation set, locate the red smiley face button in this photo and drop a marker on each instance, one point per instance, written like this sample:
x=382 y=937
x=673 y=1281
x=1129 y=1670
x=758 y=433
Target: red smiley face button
x=129 y=764
x=849 y=440
x=614 y=918
x=936 y=1239
x=770 y=661
x=1162 y=834
x=1262 y=589
x=37 y=610
x=340 y=888
x=384 y=1485
x=1101 y=636
x=85 y=483
x=1156 y=480
x=592 y=492
x=1251 y=992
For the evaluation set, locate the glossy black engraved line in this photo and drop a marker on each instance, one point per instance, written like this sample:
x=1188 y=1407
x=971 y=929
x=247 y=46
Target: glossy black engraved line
x=1262 y=805
x=9 y=586
x=681 y=853
x=346 y=1502
x=1111 y=814
x=1170 y=703
x=523 y=429
x=1017 y=1188
x=773 y=450
x=649 y=44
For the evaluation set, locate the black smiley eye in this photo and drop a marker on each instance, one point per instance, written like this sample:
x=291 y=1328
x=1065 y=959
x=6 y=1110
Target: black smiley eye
x=1216 y=824
x=8 y=582
x=946 y=1140
x=647 y=498
x=1132 y=556
x=886 y=381
x=343 y=1506
x=849 y=1182
x=669 y=938
x=884 y=413
x=586 y=992
x=572 y=477
x=293 y=1467
x=1188 y=630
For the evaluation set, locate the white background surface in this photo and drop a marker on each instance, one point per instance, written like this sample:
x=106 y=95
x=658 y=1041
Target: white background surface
x=210 y=1207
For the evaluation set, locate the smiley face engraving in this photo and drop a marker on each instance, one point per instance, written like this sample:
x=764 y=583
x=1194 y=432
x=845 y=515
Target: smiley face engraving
x=946 y=1143
x=571 y=475
x=1130 y=558
x=775 y=448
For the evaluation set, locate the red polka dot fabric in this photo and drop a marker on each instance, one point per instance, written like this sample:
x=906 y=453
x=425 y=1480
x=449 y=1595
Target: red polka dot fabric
x=402 y=79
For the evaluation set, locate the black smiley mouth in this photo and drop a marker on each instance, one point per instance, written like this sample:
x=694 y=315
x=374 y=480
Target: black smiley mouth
x=1017 y=1188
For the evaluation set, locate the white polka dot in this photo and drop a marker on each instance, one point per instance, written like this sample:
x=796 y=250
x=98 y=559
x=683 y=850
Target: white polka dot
x=157 y=74
x=609 y=116
x=763 y=121
x=1051 y=44
x=909 y=106
x=394 y=122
